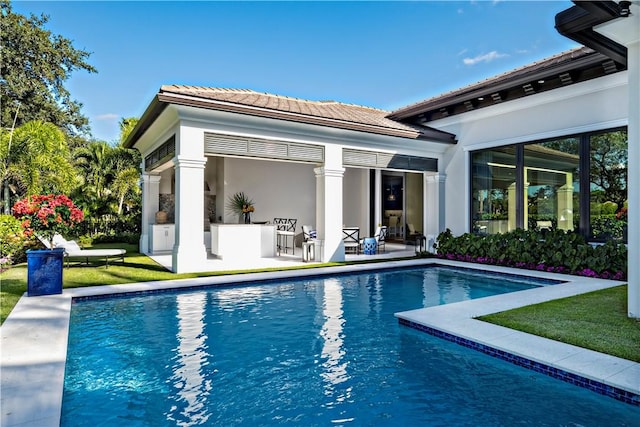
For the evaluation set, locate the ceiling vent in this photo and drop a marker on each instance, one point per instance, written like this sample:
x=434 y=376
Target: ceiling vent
x=565 y=79
x=528 y=89
x=609 y=67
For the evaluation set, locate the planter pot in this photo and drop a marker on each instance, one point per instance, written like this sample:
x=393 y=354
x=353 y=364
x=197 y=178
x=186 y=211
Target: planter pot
x=44 y=271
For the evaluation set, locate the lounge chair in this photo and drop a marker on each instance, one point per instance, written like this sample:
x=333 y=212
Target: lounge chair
x=73 y=250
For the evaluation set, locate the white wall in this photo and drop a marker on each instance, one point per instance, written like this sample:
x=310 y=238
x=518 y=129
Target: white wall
x=597 y=104
x=278 y=189
x=355 y=208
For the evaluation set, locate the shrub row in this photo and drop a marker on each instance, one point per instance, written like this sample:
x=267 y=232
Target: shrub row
x=555 y=251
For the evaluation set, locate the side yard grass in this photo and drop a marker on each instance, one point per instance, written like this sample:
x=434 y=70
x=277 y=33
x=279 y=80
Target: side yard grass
x=596 y=320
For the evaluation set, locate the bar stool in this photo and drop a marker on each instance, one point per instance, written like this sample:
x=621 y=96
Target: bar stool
x=421 y=244
x=308 y=250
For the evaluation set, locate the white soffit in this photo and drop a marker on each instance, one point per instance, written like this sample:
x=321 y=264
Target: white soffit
x=625 y=31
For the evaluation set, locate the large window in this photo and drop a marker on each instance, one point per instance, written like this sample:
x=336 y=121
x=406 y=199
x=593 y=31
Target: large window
x=551 y=185
x=573 y=183
x=494 y=190
x=608 y=185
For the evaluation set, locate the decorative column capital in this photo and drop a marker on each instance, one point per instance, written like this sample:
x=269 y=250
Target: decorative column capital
x=187 y=162
x=438 y=178
x=149 y=178
x=323 y=171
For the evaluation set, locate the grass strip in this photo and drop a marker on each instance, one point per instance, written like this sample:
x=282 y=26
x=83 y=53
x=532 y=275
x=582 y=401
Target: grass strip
x=137 y=267
x=595 y=320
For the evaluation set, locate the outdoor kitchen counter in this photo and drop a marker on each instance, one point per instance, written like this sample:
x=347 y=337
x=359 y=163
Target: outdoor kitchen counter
x=243 y=241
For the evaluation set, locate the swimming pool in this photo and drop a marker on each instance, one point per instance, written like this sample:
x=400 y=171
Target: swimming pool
x=317 y=351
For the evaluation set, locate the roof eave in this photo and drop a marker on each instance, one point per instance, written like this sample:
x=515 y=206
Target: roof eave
x=481 y=90
x=191 y=101
x=155 y=108
x=578 y=21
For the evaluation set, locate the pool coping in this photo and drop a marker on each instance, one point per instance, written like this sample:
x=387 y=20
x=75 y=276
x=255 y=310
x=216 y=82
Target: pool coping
x=34 y=336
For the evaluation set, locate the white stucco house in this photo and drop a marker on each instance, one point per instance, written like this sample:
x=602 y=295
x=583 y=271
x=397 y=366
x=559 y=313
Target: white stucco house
x=511 y=151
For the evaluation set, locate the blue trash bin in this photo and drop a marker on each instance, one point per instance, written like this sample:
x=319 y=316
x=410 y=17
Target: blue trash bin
x=44 y=271
x=370 y=246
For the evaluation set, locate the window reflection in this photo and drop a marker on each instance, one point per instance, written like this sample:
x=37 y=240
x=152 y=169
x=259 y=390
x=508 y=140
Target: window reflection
x=493 y=189
x=557 y=185
x=608 y=185
x=551 y=185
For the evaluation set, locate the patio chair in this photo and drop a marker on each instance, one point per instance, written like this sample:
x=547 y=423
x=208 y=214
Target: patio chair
x=393 y=225
x=308 y=233
x=412 y=233
x=380 y=236
x=73 y=250
x=544 y=225
x=308 y=243
x=351 y=239
x=285 y=228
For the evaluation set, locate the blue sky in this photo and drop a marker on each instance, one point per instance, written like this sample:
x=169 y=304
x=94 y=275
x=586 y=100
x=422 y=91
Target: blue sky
x=379 y=54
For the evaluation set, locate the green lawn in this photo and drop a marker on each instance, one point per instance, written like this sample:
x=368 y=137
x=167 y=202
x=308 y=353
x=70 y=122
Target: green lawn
x=597 y=320
x=136 y=268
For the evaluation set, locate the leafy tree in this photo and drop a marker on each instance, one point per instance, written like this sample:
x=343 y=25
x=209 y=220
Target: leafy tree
x=609 y=162
x=35 y=158
x=110 y=175
x=126 y=126
x=128 y=176
x=35 y=65
x=96 y=163
x=126 y=183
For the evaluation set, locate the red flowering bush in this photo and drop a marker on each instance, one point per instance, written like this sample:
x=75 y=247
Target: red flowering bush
x=46 y=215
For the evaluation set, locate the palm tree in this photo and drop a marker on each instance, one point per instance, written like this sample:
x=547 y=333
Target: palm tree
x=126 y=183
x=35 y=158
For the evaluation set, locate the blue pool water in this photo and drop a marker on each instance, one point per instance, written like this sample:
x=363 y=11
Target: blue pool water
x=325 y=351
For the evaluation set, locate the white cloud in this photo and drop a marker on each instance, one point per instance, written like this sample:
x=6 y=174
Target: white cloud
x=462 y=52
x=487 y=57
x=108 y=116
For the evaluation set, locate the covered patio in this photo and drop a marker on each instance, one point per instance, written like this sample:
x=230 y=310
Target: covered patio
x=325 y=164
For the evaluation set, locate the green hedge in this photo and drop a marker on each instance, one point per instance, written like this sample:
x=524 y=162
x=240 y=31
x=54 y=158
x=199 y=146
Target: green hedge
x=555 y=251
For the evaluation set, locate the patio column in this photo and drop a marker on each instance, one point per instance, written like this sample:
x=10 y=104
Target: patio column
x=150 y=205
x=377 y=202
x=633 y=188
x=434 y=204
x=189 y=252
x=329 y=205
x=626 y=31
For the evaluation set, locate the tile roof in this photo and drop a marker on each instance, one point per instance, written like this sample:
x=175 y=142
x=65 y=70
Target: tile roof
x=327 y=113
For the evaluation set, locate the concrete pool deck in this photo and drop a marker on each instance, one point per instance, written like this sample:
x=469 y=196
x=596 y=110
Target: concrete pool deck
x=34 y=336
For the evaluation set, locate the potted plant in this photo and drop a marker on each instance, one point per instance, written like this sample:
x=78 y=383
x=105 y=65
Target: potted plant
x=241 y=205
x=44 y=216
